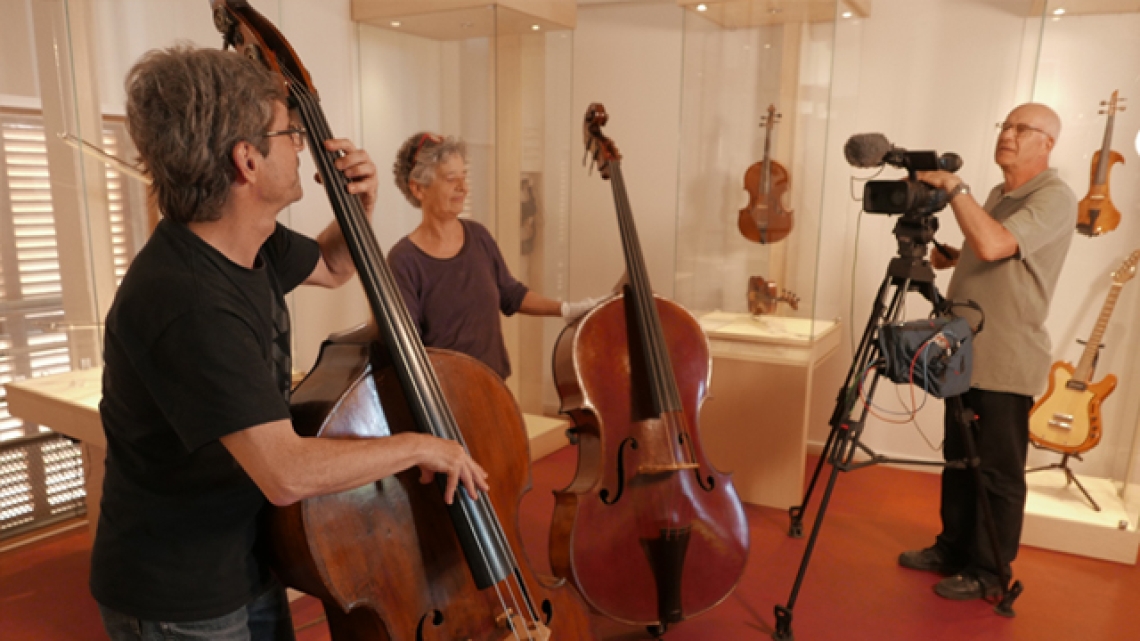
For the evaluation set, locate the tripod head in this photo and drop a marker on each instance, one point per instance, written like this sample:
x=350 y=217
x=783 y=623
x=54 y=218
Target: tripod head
x=910 y=269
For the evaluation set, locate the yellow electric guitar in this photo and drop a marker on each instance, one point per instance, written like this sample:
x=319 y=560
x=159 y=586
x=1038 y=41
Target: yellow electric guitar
x=1067 y=418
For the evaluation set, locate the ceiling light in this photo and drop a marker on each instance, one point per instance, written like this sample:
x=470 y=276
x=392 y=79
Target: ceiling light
x=701 y=7
x=535 y=27
x=395 y=23
x=847 y=14
x=1060 y=11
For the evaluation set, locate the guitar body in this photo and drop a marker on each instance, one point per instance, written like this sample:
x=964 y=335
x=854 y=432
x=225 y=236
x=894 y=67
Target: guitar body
x=1066 y=419
x=1096 y=214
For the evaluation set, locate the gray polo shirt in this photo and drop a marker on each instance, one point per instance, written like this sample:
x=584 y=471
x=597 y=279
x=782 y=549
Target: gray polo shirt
x=1012 y=353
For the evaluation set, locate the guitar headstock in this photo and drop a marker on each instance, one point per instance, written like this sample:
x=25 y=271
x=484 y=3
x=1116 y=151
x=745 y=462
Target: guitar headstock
x=1127 y=269
x=1112 y=105
x=771 y=119
x=253 y=36
x=600 y=149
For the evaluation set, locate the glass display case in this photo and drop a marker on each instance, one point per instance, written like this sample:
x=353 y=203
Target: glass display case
x=496 y=75
x=757 y=84
x=1088 y=69
x=74 y=211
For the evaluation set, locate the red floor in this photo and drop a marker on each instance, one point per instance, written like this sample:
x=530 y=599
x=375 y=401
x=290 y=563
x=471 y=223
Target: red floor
x=853 y=588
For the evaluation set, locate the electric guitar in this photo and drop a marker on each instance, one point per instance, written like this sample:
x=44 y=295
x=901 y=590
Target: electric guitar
x=1096 y=214
x=1067 y=418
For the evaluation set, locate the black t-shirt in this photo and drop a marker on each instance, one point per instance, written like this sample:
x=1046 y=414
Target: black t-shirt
x=197 y=347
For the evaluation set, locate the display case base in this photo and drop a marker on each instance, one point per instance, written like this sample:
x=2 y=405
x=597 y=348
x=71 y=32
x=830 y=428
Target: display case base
x=1058 y=517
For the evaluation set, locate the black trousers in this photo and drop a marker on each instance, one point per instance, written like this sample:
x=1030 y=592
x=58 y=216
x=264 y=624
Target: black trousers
x=1002 y=439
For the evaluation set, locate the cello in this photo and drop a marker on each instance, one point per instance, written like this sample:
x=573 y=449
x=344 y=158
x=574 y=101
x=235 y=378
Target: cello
x=765 y=219
x=1096 y=214
x=647 y=530
x=390 y=560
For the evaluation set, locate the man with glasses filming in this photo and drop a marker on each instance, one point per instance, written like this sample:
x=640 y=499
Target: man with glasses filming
x=1015 y=246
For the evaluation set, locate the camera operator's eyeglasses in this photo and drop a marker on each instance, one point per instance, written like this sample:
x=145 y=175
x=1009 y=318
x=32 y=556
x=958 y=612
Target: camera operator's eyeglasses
x=296 y=134
x=1020 y=128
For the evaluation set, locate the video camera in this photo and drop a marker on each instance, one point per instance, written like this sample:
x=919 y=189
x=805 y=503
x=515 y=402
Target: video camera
x=910 y=197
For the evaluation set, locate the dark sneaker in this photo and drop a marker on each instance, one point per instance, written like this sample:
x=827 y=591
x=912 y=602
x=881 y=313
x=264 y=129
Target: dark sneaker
x=931 y=559
x=968 y=586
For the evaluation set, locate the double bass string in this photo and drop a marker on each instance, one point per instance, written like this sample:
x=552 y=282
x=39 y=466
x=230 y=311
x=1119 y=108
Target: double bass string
x=440 y=422
x=666 y=395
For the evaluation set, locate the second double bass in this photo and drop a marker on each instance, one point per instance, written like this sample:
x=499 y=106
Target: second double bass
x=765 y=219
x=649 y=532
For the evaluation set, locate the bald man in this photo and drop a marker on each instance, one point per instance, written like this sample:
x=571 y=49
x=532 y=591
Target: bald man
x=1015 y=246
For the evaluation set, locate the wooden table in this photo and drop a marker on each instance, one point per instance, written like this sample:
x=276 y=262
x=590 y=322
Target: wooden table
x=68 y=403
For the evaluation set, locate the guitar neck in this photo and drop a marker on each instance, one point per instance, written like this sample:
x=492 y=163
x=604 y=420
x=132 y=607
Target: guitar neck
x=1084 y=369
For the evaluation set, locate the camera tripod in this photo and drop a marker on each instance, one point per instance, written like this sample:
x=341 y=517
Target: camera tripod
x=907 y=272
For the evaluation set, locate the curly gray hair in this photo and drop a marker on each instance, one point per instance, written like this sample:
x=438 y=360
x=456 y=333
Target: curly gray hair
x=186 y=109
x=418 y=157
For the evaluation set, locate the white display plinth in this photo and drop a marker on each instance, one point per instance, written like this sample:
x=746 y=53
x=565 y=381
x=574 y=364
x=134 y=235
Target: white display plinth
x=755 y=421
x=1058 y=517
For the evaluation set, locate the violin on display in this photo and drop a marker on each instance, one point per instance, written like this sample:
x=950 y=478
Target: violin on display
x=763 y=296
x=649 y=532
x=391 y=560
x=765 y=219
x=1096 y=214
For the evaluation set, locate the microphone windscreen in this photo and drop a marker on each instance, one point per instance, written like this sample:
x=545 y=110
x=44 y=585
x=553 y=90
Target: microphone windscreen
x=866 y=150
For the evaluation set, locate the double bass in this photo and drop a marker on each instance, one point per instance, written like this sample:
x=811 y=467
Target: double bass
x=765 y=219
x=1096 y=214
x=649 y=532
x=390 y=560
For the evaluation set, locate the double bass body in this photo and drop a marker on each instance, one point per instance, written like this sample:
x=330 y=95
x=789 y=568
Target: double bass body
x=384 y=558
x=644 y=547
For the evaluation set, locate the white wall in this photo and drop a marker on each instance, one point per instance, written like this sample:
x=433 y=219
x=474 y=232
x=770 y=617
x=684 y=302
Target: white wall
x=627 y=57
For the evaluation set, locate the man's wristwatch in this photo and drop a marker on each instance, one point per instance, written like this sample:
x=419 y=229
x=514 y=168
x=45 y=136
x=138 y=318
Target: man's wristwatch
x=962 y=188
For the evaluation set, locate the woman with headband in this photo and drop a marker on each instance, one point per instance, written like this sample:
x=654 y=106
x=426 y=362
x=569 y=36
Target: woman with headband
x=450 y=270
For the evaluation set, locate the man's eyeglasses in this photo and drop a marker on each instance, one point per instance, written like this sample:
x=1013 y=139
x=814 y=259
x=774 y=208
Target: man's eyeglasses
x=1019 y=129
x=296 y=134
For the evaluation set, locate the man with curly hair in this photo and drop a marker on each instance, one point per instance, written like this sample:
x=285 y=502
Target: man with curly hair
x=197 y=361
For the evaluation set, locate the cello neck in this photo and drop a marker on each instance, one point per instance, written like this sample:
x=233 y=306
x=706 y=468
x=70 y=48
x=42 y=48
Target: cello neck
x=639 y=297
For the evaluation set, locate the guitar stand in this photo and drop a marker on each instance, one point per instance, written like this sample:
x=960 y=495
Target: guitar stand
x=1070 y=478
x=907 y=272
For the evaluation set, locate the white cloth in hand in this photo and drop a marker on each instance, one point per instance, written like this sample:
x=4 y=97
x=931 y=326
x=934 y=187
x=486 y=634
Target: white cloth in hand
x=572 y=311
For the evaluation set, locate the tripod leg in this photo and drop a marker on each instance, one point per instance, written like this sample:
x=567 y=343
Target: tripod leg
x=784 y=612
x=1073 y=479
x=796 y=512
x=966 y=420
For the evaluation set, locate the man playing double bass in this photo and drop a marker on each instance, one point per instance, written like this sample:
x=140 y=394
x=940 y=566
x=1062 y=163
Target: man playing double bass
x=197 y=361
